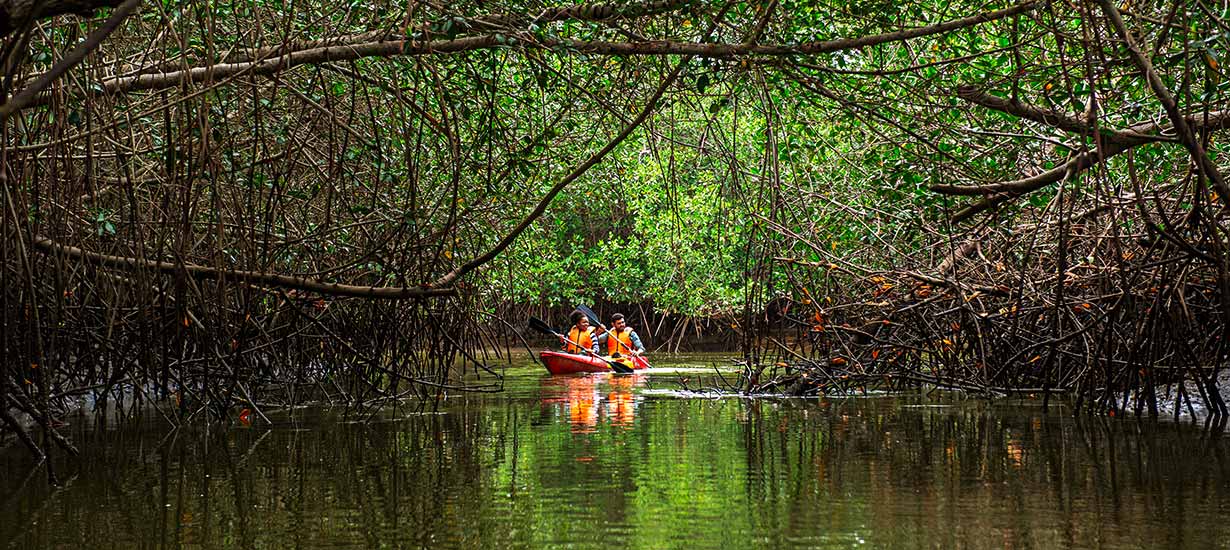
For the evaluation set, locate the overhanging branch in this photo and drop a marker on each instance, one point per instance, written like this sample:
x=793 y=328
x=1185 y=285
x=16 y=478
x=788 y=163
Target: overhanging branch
x=71 y=60
x=1185 y=134
x=504 y=22
x=49 y=246
x=1116 y=142
x=577 y=172
x=1043 y=115
x=525 y=39
x=1079 y=163
x=15 y=13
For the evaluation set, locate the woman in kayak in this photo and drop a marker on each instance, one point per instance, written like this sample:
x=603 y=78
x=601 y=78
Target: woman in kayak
x=580 y=333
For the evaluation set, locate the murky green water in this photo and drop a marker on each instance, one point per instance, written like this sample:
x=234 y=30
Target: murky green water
x=599 y=461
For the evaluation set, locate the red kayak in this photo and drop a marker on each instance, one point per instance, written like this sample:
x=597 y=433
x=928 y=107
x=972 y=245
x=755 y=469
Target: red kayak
x=559 y=362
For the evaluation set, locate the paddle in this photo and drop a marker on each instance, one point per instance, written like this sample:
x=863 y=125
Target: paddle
x=593 y=320
x=542 y=326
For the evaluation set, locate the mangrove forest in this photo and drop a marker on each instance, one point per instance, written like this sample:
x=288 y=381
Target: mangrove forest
x=820 y=273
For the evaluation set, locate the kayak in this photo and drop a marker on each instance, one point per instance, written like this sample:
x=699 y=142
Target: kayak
x=639 y=362
x=559 y=362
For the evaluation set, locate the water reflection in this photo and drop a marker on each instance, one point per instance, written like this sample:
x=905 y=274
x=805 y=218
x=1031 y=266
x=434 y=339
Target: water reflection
x=587 y=399
x=591 y=462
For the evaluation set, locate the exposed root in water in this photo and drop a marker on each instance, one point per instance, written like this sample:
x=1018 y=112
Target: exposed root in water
x=1055 y=306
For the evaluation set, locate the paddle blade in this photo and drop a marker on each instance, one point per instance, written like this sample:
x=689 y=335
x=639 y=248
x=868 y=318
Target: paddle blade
x=593 y=317
x=541 y=326
x=619 y=367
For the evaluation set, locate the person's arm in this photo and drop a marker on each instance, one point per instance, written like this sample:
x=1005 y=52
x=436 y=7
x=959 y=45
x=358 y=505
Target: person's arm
x=636 y=341
x=593 y=340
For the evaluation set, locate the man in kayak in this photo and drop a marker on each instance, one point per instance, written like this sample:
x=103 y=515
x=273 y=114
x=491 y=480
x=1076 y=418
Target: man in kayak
x=580 y=333
x=622 y=339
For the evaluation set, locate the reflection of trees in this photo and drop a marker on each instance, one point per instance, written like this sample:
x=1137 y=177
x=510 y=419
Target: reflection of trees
x=975 y=477
x=688 y=473
x=277 y=488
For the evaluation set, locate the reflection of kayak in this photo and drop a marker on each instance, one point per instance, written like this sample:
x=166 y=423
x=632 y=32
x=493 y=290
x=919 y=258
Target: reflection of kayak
x=559 y=362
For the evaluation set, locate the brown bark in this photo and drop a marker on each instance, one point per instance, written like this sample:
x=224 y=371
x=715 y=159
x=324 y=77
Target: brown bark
x=49 y=246
x=1043 y=115
x=1080 y=163
x=16 y=13
x=1117 y=141
x=577 y=172
x=389 y=48
x=1184 y=130
x=510 y=23
x=71 y=60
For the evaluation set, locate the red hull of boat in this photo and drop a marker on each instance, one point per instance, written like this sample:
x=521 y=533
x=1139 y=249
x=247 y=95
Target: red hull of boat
x=566 y=363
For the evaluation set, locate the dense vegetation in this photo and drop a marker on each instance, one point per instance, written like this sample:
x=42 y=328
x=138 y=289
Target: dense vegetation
x=264 y=202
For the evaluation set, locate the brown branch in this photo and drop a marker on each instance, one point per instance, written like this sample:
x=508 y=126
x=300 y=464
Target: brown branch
x=668 y=47
x=510 y=23
x=957 y=255
x=508 y=239
x=872 y=40
x=15 y=13
x=987 y=203
x=1118 y=142
x=390 y=48
x=1046 y=116
x=578 y=12
x=49 y=246
x=1079 y=163
x=1136 y=135
x=158 y=81
x=22 y=434
x=1185 y=134
x=22 y=403
x=1143 y=132
x=71 y=60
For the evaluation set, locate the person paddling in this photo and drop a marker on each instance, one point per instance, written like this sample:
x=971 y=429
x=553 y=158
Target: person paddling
x=622 y=339
x=580 y=333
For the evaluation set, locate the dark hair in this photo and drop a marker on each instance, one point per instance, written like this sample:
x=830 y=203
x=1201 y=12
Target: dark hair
x=576 y=316
x=617 y=317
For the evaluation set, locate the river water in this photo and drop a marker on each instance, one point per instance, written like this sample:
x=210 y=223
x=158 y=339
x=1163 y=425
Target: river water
x=602 y=461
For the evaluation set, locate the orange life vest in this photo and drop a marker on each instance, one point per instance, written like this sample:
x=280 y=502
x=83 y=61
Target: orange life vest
x=614 y=339
x=584 y=338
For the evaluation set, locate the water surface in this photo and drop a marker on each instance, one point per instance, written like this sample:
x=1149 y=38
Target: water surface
x=600 y=461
